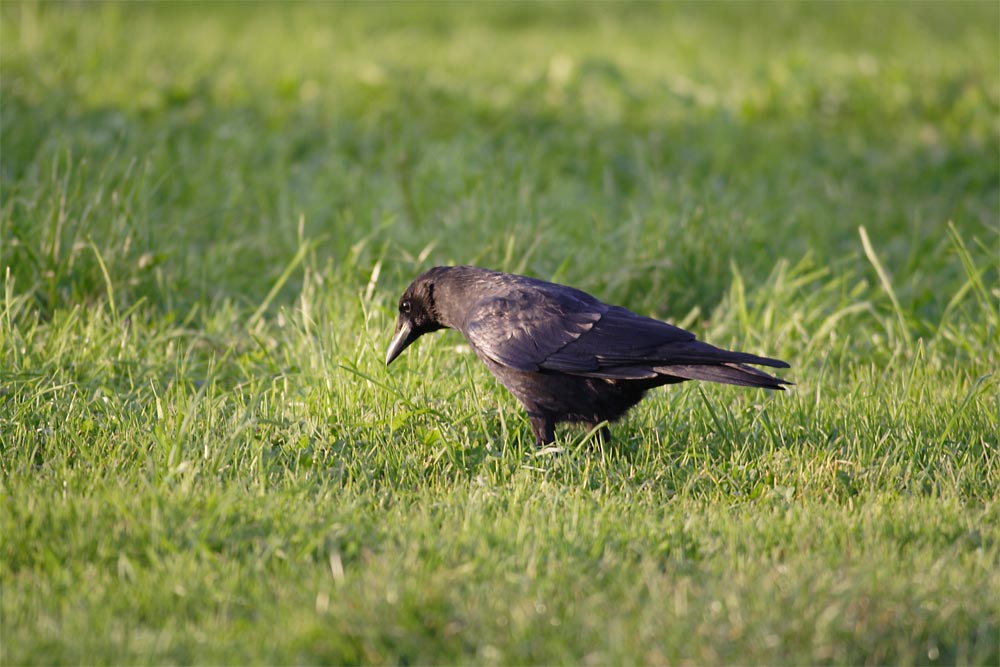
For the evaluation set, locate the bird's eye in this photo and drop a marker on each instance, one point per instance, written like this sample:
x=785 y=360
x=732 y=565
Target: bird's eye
x=404 y=307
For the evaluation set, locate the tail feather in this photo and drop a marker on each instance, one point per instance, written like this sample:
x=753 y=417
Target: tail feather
x=747 y=358
x=728 y=373
x=697 y=352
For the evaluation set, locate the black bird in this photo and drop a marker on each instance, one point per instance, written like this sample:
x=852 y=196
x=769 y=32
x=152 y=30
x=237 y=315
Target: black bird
x=564 y=354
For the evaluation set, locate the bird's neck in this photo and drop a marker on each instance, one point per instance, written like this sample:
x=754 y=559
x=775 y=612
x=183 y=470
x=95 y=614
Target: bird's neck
x=457 y=291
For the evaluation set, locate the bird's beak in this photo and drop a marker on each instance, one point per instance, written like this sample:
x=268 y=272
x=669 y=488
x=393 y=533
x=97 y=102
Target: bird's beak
x=399 y=341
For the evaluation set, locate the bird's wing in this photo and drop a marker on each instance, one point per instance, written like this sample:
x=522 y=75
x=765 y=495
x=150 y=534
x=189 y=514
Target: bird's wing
x=568 y=331
x=561 y=329
x=523 y=328
x=625 y=345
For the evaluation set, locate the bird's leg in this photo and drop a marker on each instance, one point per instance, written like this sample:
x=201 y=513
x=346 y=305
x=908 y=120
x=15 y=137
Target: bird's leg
x=603 y=433
x=544 y=428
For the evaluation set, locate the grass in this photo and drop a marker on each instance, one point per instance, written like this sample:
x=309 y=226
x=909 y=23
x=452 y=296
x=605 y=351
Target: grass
x=208 y=214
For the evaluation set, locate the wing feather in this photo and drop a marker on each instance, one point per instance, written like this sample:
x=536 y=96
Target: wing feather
x=524 y=327
x=540 y=326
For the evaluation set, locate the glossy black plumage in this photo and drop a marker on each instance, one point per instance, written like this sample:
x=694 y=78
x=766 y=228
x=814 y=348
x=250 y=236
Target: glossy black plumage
x=563 y=353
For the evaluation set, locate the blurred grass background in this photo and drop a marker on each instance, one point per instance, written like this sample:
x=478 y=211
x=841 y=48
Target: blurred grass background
x=683 y=138
x=209 y=210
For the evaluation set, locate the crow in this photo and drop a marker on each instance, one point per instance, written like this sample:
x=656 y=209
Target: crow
x=565 y=355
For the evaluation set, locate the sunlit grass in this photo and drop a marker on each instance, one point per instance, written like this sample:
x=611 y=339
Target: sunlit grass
x=208 y=215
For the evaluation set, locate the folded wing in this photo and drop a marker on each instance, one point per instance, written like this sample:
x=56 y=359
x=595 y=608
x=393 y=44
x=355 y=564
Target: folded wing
x=570 y=332
x=524 y=327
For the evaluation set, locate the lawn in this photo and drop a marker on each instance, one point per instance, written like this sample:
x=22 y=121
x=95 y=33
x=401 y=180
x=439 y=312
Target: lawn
x=208 y=213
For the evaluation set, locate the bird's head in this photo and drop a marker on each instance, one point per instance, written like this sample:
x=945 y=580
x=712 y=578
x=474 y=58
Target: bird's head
x=417 y=315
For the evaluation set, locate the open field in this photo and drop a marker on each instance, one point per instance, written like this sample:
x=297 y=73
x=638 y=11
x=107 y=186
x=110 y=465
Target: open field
x=207 y=214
